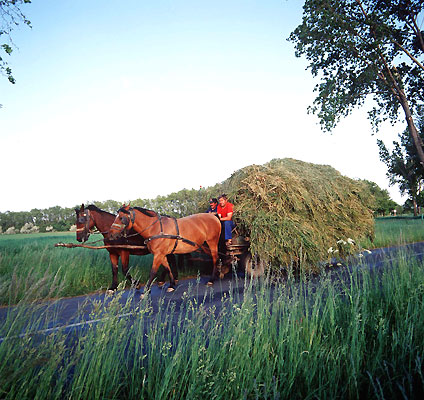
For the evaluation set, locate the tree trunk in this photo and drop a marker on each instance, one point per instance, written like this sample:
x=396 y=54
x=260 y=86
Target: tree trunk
x=415 y=207
x=416 y=138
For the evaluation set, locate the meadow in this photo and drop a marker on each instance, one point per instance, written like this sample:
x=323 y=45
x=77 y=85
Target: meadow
x=31 y=268
x=360 y=337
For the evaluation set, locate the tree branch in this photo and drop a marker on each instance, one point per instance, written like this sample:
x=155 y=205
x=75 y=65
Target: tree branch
x=408 y=54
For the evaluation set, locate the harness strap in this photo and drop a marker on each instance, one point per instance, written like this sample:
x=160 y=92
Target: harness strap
x=176 y=237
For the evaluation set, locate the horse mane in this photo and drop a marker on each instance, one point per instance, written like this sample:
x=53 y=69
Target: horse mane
x=92 y=207
x=145 y=211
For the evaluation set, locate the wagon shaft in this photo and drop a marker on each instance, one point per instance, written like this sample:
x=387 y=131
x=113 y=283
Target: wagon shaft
x=116 y=246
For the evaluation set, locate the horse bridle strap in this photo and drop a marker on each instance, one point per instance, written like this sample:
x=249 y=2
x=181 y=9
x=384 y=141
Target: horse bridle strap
x=87 y=217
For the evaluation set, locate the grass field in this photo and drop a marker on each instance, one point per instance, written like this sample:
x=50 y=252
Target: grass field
x=32 y=268
x=356 y=340
x=397 y=230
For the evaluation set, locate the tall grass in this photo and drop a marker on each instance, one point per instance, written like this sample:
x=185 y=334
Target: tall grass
x=29 y=264
x=360 y=337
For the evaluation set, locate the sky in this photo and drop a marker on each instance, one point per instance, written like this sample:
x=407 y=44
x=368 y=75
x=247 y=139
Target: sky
x=135 y=99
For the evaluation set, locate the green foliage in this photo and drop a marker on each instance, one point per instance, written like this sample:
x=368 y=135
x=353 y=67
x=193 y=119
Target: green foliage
x=403 y=163
x=10 y=17
x=383 y=204
x=362 y=48
x=178 y=204
x=61 y=219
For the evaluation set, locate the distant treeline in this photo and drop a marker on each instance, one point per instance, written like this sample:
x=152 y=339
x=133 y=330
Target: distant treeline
x=179 y=204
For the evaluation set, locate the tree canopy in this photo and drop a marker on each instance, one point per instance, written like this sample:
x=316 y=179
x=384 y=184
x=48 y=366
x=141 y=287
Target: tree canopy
x=361 y=49
x=383 y=204
x=10 y=17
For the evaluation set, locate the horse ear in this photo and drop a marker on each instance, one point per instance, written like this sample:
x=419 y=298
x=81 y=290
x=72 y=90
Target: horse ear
x=82 y=207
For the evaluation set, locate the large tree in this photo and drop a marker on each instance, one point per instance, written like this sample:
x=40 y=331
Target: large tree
x=361 y=49
x=403 y=165
x=10 y=17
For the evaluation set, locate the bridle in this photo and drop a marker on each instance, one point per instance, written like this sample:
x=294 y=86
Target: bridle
x=85 y=219
x=126 y=222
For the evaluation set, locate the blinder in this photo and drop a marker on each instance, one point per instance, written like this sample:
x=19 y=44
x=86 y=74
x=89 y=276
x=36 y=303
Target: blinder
x=125 y=222
x=85 y=220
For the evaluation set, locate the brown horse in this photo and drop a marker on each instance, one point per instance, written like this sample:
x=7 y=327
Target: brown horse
x=90 y=217
x=166 y=235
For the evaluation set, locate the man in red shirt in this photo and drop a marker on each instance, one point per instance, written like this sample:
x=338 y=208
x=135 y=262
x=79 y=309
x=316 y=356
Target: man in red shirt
x=225 y=214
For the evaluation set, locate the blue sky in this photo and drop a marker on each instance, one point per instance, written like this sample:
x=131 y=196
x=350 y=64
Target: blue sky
x=125 y=100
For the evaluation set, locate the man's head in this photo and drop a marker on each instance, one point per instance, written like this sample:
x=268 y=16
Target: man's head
x=223 y=200
x=213 y=202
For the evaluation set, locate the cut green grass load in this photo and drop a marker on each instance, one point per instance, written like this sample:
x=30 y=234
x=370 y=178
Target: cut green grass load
x=295 y=211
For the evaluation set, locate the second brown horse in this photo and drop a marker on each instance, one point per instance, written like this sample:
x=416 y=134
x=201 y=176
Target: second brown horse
x=166 y=235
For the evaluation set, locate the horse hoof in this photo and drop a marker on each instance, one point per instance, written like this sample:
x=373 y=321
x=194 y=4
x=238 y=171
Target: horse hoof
x=160 y=284
x=176 y=281
x=142 y=295
x=110 y=292
x=170 y=289
x=210 y=283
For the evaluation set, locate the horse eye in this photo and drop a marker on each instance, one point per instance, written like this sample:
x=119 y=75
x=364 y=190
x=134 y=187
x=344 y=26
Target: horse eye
x=125 y=220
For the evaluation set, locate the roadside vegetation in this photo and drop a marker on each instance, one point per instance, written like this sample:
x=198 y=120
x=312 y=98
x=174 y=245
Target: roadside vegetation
x=361 y=337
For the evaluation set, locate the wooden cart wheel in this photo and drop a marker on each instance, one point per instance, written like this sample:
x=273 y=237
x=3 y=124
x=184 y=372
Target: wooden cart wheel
x=253 y=266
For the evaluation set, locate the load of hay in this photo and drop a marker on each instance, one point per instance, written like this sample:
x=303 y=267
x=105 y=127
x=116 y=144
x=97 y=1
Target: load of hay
x=294 y=211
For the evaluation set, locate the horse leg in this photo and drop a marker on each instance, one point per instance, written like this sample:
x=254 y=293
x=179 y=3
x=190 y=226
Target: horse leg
x=171 y=275
x=173 y=265
x=213 y=248
x=159 y=260
x=125 y=259
x=162 y=278
x=172 y=261
x=114 y=260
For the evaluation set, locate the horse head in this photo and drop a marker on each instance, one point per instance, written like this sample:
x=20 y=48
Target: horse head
x=123 y=222
x=84 y=223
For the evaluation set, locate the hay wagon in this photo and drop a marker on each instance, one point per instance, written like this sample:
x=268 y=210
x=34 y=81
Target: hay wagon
x=239 y=253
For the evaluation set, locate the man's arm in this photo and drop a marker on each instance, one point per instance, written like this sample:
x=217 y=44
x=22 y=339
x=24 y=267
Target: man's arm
x=229 y=217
